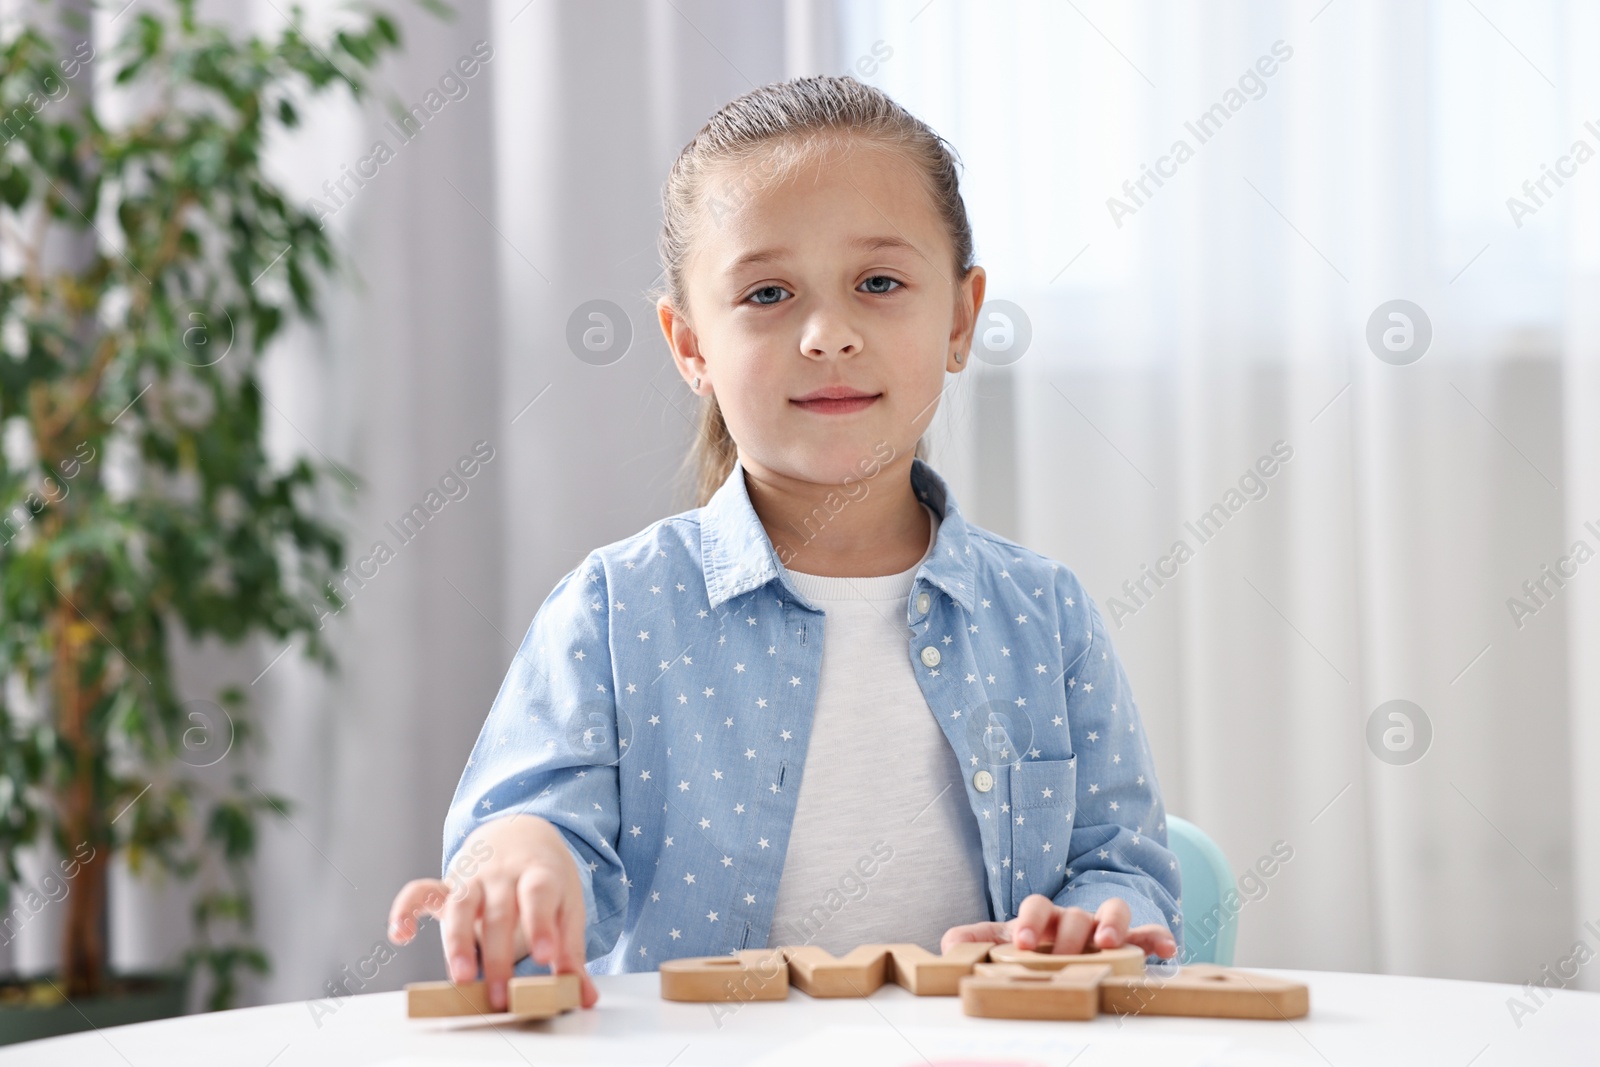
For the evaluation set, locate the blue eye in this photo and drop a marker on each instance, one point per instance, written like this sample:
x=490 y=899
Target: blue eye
x=880 y=278
x=767 y=289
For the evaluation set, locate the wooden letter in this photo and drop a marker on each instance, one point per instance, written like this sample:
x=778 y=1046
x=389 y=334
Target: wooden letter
x=816 y=971
x=927 y=975
x=540 y=996
x=755 y=974
x=1016 y=991
x=1128 y=960
x=1206 y=990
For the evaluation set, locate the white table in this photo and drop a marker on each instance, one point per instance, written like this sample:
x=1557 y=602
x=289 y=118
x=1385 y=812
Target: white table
x=1356 y=1019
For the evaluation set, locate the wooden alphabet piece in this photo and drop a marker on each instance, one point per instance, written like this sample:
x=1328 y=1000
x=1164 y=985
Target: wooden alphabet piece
x=1078 y=991
x=1206 y=990
x=766 y=974
x=540 y=996
x=1016 y=991
x=755 y=974
x=817 y=972
x=1127 y=960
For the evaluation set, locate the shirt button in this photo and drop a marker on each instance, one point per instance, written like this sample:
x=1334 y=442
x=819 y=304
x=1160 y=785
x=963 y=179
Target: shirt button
x=983 y=781
x=922 y=603
x=930 y=656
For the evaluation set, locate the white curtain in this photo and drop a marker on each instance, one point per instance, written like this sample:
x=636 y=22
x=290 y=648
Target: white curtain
x=1178 y=338
x=1168 y=355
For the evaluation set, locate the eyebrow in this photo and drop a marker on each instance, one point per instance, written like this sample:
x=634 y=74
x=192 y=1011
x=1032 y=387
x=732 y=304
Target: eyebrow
x=864 y=244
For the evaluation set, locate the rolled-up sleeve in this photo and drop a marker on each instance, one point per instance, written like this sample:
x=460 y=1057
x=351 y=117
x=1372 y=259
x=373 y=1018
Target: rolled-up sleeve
x=1119 y=836
x=549 y=747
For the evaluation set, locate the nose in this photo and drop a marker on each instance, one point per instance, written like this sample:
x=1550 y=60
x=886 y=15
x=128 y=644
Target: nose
x=829 y=333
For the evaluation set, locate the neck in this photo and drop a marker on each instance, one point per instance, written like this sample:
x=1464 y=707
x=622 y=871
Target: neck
x=864 y=529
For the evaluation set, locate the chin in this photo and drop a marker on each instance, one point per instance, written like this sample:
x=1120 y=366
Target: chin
x=839 y=462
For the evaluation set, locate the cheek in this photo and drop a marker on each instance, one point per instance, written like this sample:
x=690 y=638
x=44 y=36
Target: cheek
x=750 y=393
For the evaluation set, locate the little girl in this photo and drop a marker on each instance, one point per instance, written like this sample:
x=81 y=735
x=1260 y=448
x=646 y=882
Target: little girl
x=822 y=707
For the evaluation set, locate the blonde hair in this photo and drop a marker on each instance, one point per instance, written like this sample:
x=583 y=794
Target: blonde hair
x=784 y=123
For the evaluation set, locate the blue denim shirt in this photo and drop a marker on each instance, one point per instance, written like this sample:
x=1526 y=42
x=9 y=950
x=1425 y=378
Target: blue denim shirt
x=659 y=708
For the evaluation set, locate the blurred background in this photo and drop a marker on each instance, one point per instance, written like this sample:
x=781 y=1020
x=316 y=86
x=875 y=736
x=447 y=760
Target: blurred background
x=1143 y=347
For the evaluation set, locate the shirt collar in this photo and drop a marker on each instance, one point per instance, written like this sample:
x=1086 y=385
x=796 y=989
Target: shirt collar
x=737 y=555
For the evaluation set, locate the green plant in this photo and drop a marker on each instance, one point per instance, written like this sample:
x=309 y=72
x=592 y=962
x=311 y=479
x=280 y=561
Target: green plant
x=155 y=260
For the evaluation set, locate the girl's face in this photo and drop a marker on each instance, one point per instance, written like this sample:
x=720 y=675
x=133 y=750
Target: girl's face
x=823 y=313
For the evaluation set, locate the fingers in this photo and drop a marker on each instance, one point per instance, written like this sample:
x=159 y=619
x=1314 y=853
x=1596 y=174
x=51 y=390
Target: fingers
x=537 y=899
x=498 y=930
x=1111 y=923
x=570 y=958
x=418 y=897
x=1074 y=927
x=986 y=931
x=1034 y=921
x=457 y=930
x=1155 y=940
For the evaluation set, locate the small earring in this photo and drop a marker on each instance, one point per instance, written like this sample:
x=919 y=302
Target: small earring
x=958 y=356
x=696 y=385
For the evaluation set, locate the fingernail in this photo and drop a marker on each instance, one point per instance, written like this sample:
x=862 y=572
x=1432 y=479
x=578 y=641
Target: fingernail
x=461 y=969
x=497 y=995
x=542 y=950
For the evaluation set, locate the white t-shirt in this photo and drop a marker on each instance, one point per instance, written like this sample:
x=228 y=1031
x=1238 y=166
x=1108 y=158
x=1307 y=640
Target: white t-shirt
x=884 y=847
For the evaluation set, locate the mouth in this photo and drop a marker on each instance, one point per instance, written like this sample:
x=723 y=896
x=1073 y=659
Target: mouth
x=835 y=400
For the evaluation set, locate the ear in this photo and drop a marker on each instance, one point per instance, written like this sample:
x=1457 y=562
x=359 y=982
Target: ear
x=969 y=301
x=684 y=346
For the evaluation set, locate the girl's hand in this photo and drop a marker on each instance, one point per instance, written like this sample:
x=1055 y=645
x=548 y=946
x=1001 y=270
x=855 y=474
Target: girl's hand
x=513 y=884
x=1068 y=930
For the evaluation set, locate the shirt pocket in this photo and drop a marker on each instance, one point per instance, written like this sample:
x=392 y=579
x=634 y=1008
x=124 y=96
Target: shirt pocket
x=1043 y=802
x=1044 y=783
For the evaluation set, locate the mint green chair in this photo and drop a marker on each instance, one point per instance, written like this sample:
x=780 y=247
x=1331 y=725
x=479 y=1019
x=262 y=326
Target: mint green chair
x=1210 y=921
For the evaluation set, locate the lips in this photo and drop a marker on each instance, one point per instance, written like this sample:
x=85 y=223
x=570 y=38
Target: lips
x=836 y=400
